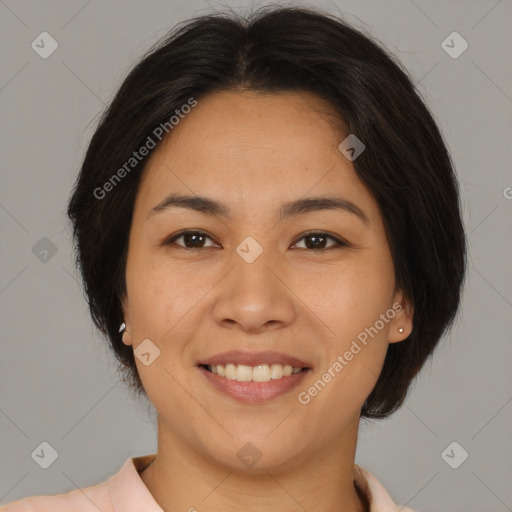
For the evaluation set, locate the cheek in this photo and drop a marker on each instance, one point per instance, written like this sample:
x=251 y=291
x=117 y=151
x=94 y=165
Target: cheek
x=158 y=311
x=159 y=294
x=350 y=302
x=354 y=346
x=348 y=297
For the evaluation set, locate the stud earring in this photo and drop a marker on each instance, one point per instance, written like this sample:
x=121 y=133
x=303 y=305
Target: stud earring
x=125 y=333
x=400 y=330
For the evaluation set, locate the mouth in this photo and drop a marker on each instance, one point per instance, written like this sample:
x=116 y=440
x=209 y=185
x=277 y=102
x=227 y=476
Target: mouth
x=253 y=377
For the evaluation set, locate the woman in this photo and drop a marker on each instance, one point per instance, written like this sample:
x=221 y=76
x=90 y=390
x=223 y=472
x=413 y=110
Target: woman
x=268 y=227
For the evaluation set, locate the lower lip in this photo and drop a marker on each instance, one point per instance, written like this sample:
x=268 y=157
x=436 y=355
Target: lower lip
x=254 y=392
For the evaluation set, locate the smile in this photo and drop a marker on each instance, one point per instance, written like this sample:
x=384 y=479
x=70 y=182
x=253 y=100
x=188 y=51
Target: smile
x=259 y=373
x=250 y=391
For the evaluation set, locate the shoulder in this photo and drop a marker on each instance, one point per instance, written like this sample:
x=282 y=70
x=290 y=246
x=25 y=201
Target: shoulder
x=122 y=491
x=89 y=499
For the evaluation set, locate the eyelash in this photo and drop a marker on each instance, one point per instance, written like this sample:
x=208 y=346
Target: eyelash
x=339 y=241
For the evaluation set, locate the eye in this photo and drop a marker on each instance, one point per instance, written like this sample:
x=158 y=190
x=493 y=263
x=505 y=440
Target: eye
x=318 y=240
x=192 y=239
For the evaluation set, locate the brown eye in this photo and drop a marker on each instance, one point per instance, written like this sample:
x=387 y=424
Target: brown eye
x=191 y=239
x=317 y=241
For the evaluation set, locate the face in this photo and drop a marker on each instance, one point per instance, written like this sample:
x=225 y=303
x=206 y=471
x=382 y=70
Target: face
x=316 y=284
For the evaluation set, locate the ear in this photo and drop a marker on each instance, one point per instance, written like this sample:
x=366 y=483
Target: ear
x=404 y=312
x=127 y=333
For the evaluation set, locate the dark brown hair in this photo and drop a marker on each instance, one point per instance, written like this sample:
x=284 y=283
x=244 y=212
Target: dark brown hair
x=406 y=165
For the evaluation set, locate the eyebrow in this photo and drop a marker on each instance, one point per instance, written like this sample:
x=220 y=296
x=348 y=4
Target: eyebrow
x=212 y=207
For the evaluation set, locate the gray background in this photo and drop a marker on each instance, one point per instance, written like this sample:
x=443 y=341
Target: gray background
x=57 y=379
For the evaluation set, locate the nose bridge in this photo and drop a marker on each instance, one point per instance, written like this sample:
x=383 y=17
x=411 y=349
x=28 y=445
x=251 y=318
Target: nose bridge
x=252 y=296
x=251 y=261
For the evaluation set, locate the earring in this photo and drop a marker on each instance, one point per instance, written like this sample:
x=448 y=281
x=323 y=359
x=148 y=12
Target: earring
x=122 y=329
x=400 y=330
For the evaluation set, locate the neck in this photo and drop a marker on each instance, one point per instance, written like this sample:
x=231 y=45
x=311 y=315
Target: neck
x=181 y=478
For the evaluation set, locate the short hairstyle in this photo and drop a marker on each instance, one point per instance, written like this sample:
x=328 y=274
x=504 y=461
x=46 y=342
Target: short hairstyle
x=405 y=166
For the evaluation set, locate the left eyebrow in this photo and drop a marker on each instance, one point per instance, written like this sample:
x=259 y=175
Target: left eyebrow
x=302 y=206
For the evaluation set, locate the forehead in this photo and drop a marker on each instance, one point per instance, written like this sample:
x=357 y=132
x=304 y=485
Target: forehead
x=247 y=149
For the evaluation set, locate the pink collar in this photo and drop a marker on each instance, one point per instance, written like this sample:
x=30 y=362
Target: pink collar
x=128 y=492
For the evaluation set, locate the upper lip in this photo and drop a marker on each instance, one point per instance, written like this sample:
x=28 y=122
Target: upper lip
x=253 y=359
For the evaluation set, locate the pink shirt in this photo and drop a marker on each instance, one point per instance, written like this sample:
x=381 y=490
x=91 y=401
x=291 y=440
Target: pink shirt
x=126 y=492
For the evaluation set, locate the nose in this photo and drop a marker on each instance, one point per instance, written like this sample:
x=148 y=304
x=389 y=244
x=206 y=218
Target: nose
x=254 y=296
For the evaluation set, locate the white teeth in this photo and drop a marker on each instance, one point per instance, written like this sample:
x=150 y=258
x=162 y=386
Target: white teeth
x=243 y=373
x=260 y=373
x=276 y=371
x=230 y=372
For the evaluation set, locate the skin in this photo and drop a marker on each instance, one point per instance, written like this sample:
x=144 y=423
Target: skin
x=255 y=152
